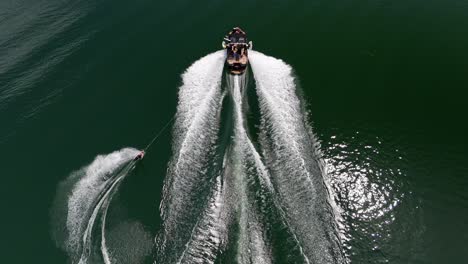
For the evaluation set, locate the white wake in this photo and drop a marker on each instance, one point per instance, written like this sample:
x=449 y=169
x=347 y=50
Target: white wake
x=252 y=245
x=192 y=198
x=211 y=209
x=84 y=195
x=292 y=156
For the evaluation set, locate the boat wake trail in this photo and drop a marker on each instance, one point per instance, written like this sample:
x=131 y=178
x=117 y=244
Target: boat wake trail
x=247 y=175
x=192 y=197
x=292 y=155
x=81 y=205
x=238 y=200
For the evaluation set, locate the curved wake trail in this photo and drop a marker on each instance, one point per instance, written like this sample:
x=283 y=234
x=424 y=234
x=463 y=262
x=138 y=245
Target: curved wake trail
x=105 y=252
x=192 y=197
x=292 y=156
x=85 y=195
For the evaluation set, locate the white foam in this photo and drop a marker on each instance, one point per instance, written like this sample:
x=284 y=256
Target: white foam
x=108 y=197
x=198 y=208
x=91 y=184
x=195 y=135
x=291 y=154
x=208 y=233
x=88 y=193
x=252 y=245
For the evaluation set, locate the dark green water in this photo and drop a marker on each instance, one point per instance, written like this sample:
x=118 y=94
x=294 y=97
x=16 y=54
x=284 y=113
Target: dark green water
x=384 y=81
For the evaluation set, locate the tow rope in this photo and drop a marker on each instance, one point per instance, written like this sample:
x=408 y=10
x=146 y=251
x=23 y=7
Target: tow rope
x=159 y=133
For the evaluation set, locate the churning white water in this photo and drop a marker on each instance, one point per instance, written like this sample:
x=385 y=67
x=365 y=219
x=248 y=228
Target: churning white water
x=192 y=196
x=84 y=195
x=213 y=210
x=292 y=155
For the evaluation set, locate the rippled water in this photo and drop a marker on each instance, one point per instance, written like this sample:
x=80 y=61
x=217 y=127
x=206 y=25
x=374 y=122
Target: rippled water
x=382 y=214
x=383 y=82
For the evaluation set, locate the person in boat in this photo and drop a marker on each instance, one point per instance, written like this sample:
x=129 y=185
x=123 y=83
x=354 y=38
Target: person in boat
x=139 y=156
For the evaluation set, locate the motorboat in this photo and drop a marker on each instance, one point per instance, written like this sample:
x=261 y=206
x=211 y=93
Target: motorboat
x=237 y=46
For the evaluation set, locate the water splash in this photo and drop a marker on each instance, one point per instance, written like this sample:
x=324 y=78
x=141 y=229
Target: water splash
x=248 y=167
x=82 y=197
x=293 y=158
x=191 y=184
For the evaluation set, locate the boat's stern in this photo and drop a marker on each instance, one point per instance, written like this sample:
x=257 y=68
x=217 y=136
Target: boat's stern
x=237 y=47
x=237 y=63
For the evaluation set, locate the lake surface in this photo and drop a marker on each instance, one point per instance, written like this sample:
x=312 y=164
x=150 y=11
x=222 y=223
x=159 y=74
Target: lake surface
x=384 y=83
